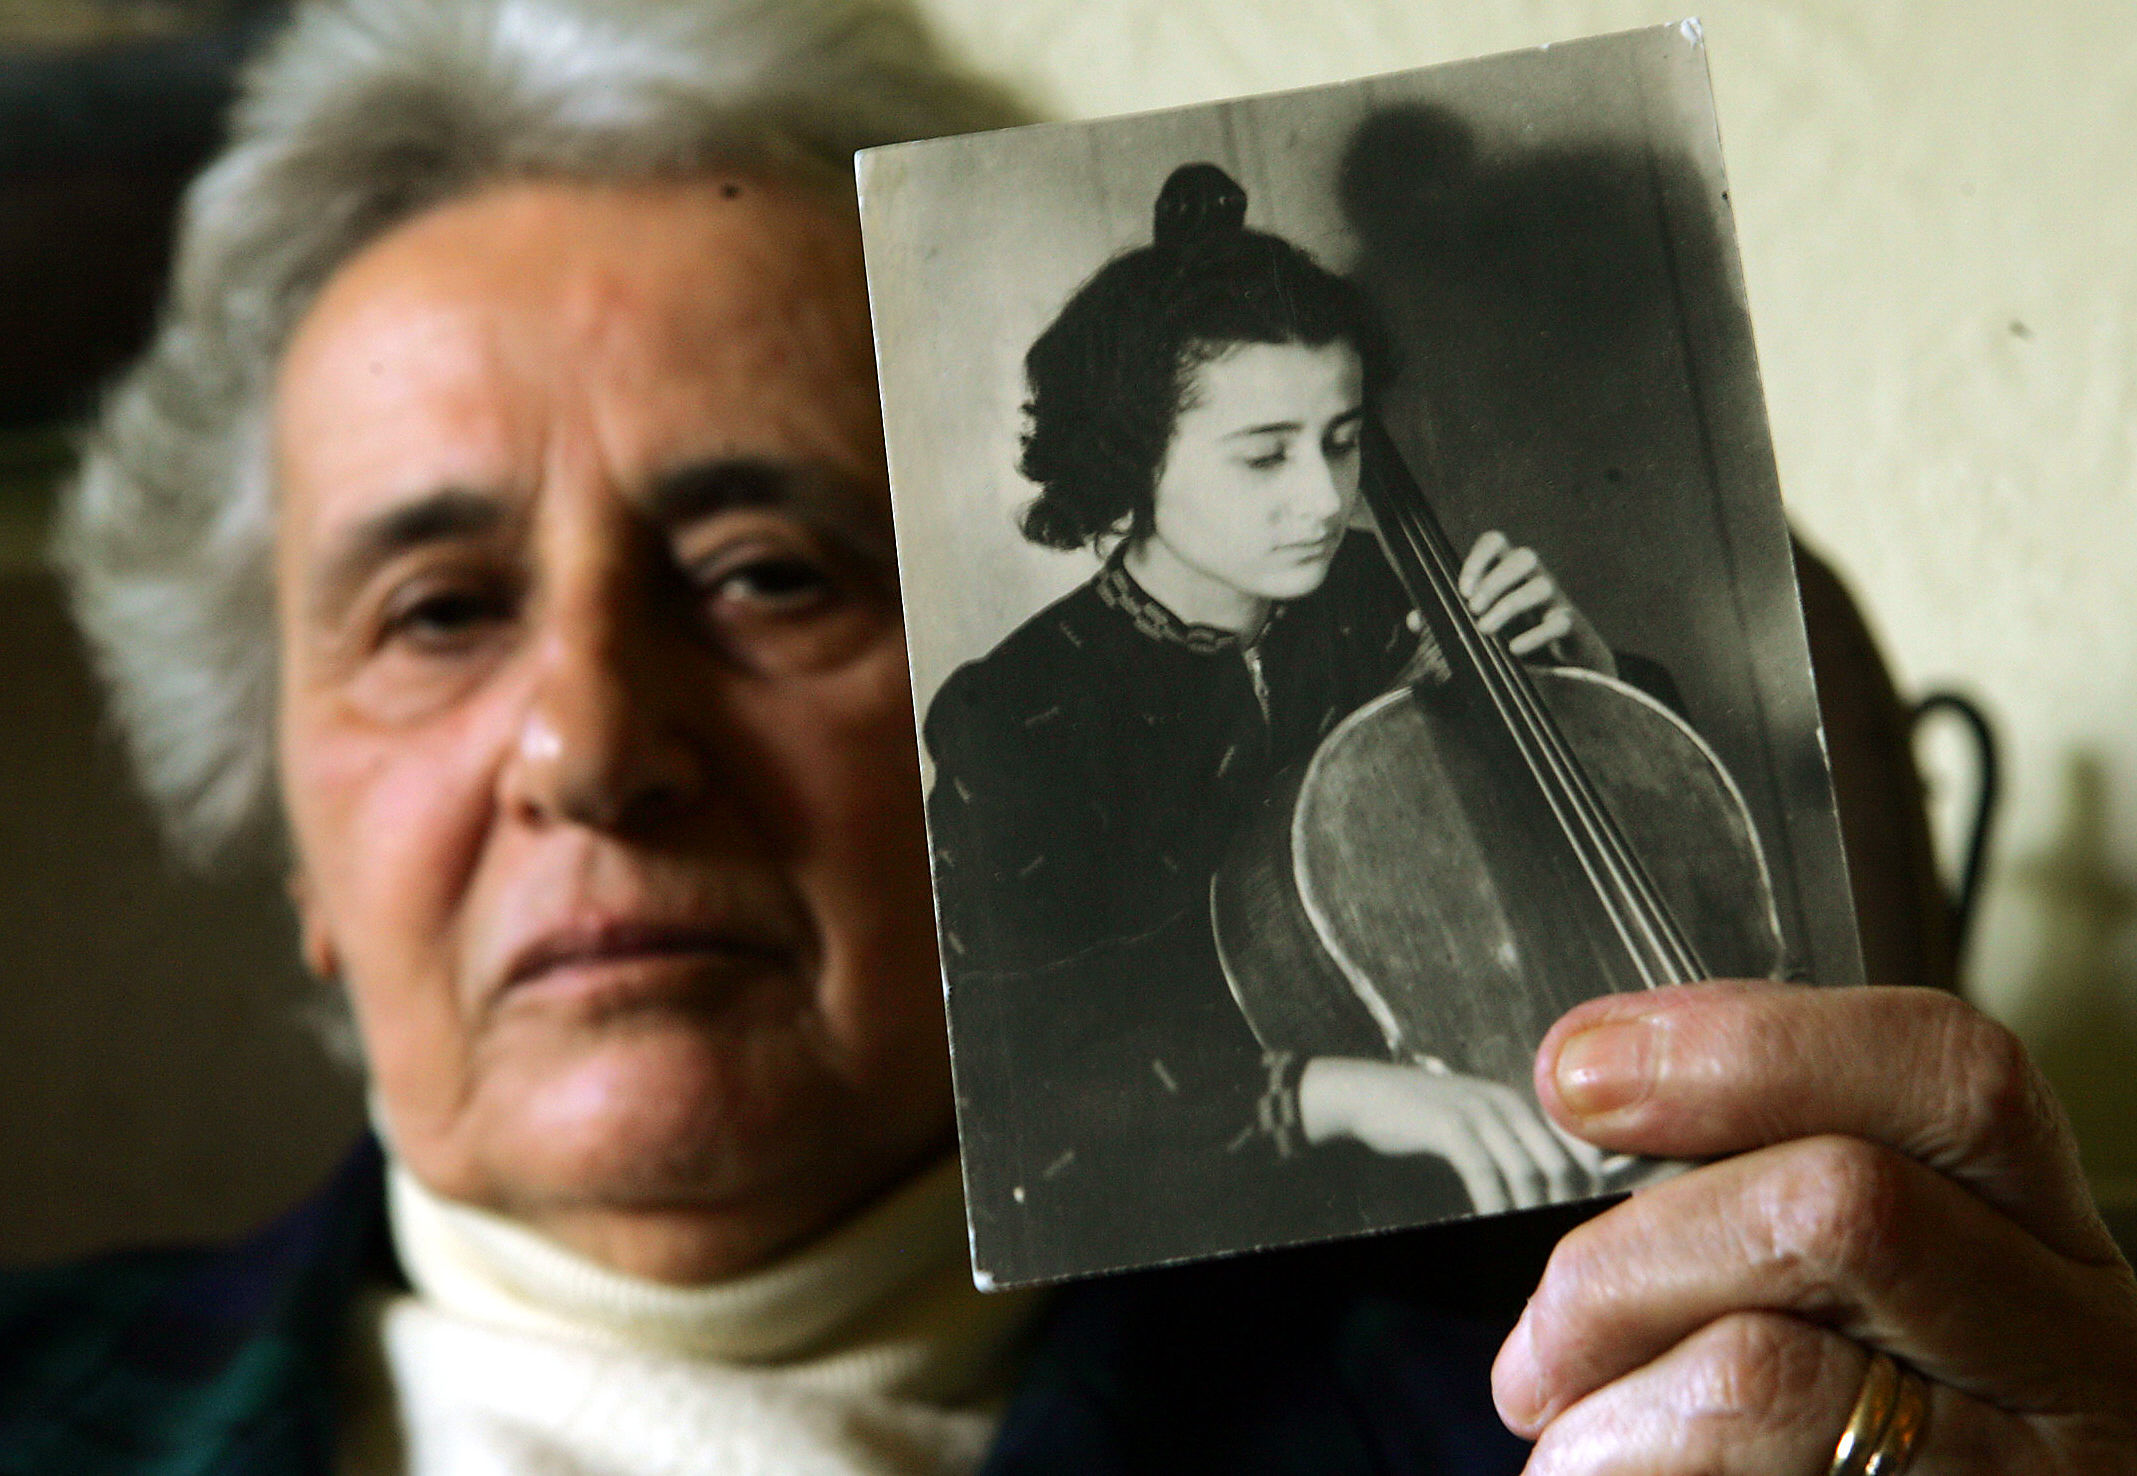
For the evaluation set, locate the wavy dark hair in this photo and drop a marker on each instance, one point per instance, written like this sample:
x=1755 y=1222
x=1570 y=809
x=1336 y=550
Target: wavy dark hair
x=1110 y=375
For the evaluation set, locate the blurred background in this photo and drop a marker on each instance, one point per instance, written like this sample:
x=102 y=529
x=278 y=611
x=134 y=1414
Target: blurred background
x=1940 y=241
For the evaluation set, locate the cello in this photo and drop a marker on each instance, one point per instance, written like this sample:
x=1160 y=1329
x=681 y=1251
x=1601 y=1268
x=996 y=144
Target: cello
x=1469 y=855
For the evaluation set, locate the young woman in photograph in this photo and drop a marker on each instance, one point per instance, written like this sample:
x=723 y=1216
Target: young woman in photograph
x=1195 y=417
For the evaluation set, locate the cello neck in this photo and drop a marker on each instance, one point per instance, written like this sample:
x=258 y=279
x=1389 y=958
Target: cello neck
x=1427 y=563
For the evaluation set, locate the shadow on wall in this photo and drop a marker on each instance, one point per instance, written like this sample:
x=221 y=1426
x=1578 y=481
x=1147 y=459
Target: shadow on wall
x=1540 y=264
x=2081 y=1016
x=1534 y=292
x=1572 y=341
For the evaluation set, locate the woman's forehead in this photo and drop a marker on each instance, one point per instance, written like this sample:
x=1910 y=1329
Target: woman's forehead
x=1262 y=383
x=635 y=328
x=732 y=231
x=675 y=276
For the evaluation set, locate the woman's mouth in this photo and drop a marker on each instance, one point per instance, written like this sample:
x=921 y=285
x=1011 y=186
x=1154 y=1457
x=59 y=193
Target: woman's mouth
x=1306 y=549
x=619 y=963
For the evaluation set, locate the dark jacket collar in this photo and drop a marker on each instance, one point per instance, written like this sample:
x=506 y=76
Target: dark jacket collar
x=1367 y=1356
x=192 y=1361
x=1328 y=1361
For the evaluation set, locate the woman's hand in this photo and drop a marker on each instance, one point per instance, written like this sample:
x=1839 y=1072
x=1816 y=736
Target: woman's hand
x=1509 y=590
x=1906 y=1183
x=1507 y=1155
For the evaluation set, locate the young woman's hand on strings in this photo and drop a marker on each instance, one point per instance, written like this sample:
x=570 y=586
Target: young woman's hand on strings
x=1508 y=1157
x=1514 y=596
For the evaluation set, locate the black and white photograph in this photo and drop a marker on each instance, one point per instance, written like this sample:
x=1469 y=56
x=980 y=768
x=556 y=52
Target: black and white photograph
x=1067 y=738
x=1352 y=620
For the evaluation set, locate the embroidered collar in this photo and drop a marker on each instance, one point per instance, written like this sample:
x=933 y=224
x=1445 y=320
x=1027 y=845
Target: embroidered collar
x=1117 y=587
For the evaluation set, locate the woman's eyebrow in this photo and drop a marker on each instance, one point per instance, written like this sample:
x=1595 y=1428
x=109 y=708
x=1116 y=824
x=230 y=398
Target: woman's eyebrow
x=1290 y=427
x=445 y=515
x=702 y=489
x=846 y=507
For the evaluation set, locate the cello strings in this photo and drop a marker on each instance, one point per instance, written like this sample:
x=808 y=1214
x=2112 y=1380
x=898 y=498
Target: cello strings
x=1658 y=921
x=1675 y=955
x=1629 y=887
x=1614 y=887
x=1586 y=848
x=1677 y=959
x=1587 y=844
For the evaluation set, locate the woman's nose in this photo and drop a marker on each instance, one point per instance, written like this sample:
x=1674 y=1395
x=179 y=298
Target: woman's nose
x=1317 y=492
x=600 y=740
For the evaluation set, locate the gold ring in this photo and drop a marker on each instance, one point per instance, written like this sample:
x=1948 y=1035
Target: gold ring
x=1903 y=1432
x=1886 y=1426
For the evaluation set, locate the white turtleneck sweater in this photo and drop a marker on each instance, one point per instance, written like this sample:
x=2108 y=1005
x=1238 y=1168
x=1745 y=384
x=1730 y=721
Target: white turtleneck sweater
x=866 y=1353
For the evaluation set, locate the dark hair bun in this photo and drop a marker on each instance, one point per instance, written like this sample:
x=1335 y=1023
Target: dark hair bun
x=1199 y=202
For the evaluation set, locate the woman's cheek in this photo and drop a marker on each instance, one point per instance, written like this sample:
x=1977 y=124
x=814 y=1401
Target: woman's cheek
x=873 y=748
x=859 y=786
x=392 y=824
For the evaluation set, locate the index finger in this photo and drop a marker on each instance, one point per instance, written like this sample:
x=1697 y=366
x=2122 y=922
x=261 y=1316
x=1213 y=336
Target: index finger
x=1488 y=548
x=1697 y=1071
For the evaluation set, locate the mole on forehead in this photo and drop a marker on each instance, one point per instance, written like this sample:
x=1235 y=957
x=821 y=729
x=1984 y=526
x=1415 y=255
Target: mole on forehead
x=546 y=228
x=481 y=288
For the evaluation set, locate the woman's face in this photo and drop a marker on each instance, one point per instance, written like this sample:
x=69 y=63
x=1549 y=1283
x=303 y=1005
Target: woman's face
x=595 y=733
x=1260 y=478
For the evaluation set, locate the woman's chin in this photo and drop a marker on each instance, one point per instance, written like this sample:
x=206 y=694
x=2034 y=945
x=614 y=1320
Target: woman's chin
x=652 y=1118
x=667 y=1139
x=1292 y=581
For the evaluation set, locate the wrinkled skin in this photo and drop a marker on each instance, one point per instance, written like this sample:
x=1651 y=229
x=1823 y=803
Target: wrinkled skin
x=1905 y=1181
x=595 y=733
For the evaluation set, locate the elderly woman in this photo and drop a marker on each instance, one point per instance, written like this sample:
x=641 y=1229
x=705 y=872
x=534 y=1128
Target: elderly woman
x=499 y=517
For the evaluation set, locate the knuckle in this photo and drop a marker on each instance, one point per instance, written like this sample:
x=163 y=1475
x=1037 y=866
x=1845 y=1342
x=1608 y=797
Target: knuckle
x=1759 y=1369
x=1837 y=1216
x=1993 y=1092
x=1582 y=1268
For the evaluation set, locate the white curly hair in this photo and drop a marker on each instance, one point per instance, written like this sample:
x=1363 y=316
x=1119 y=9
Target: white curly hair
x=360 y=114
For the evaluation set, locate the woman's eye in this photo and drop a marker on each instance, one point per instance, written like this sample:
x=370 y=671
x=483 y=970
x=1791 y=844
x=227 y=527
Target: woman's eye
x=445 y=617
x=1267 y=460
x=781 y=611
x=776 y=583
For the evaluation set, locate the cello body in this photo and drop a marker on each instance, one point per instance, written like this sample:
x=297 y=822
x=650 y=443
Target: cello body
x=1405 y=896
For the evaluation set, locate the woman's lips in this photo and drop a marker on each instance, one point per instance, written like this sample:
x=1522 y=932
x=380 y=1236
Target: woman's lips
x=627 y=954
x=1310 y=548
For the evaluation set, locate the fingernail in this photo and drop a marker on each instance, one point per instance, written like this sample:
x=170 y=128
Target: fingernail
x=1605 y=1068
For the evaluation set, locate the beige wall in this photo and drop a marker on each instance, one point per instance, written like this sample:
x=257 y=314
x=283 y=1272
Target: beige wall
x=1939 y=229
